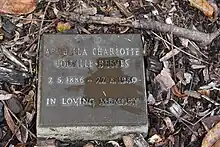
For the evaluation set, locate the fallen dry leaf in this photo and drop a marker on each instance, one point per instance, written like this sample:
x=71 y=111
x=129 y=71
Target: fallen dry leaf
x=203 y=6
x=176 y=109
x=139 y=141
x=212 y=136
x=193 y=94
x=169 y=55
x=176 y=92
x=165 y=79
x=61 y=26
x=46 y=143
x=24 y=133
x=204 y=92
x=217 y=143
x=128 y=141
x=20 y=145
x=84 y=9
x=12 y=126
x=155 y=139
x=169 y=124
x=5 y=96
x=17 y=6
x=114 y=143
x=9 y=120
x=88 y=145
x=209 y=121
x=29 y=117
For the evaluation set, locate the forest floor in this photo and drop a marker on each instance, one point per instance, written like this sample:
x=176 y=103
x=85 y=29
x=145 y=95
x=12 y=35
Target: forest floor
x=182 y=66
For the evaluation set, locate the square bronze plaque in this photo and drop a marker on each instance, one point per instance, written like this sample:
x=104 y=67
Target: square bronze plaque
x=91 y=80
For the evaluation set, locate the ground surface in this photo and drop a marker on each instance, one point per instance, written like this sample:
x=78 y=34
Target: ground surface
x=183 y=98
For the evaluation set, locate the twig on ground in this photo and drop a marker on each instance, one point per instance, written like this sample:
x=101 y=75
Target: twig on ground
x=180 y=49
x=36 y=39
x=204 y=38
x=41 y=25
x=205 y=116
x=210 y=100
x=23 y=18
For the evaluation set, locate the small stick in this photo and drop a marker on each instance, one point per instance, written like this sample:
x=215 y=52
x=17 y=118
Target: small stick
x=180 y=49
x=204 y=38
x=41 y=25
x=205 y=116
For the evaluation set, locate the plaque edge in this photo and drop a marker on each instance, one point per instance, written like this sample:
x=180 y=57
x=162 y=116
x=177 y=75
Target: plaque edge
x=39 y=83
x=91 y=132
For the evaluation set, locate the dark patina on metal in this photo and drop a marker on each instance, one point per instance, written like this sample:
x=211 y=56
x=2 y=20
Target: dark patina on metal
x=91 y=80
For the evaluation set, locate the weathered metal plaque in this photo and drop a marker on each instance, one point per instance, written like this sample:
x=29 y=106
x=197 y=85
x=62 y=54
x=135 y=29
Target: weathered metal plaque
x=91 y=82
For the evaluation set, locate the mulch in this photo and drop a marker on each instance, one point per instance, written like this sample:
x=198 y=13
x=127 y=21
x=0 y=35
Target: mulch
x=182 y=74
